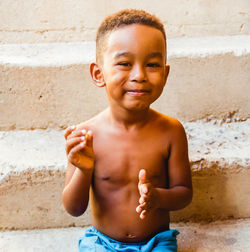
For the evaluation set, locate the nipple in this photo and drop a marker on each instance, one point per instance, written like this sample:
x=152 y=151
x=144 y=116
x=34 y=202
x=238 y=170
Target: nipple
x=105 y=177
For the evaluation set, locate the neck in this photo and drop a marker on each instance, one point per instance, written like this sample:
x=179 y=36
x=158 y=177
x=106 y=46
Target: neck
x=129 y=119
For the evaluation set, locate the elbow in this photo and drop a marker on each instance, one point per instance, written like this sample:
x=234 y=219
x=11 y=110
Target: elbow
x=75 y=212
x=189 y=197
x=75 y=209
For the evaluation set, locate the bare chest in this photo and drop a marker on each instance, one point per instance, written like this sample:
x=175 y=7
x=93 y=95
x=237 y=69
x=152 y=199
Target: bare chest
x=118 y=159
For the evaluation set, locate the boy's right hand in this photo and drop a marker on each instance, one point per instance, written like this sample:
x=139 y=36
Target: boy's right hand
x=79 y=148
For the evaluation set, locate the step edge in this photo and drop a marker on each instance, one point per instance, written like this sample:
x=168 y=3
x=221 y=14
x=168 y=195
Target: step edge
x=78 y=53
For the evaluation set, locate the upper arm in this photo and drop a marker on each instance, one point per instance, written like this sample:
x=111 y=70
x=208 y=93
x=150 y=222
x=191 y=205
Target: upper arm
x=179 y=173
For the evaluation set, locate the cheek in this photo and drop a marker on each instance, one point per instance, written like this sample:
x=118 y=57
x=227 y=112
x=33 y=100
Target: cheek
x=159 y=84
x=157 y=79
x=117 y=78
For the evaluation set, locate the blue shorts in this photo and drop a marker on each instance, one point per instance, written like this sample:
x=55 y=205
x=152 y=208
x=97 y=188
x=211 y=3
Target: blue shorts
x=96 y=241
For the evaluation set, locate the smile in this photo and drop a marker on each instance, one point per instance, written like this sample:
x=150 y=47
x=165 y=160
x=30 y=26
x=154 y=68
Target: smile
x=137 y=92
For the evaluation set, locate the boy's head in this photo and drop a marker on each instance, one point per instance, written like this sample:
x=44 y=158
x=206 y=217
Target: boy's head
x=131 y=59
x=121 y=19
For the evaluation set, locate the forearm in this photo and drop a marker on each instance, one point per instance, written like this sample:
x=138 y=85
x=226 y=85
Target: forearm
x=174 y=198
x=75 y=195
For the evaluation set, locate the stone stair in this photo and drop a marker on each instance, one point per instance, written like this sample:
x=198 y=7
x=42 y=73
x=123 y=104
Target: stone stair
x=210 y=76
x=33 y=164
x=45 y=86
x=218 y=236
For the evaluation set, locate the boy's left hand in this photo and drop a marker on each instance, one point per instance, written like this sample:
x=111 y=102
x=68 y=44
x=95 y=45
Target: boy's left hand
x=148 y=195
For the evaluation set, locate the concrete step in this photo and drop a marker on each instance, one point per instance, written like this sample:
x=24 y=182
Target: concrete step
x=33 y=163
x=49 y=85
x=226 y=236
x=78 y=20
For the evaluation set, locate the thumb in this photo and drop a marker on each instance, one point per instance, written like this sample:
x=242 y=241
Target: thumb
x=142 y=176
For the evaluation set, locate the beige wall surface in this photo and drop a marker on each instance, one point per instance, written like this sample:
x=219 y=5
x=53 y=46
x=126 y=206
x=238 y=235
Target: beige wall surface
x=32 y=21
x=55 y=97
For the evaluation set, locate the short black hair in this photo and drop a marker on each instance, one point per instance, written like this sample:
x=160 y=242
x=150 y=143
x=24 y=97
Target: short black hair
x=121 y=19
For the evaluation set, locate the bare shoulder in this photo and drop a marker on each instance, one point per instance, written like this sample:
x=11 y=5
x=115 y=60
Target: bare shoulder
x=168 y=124
x=93 y=123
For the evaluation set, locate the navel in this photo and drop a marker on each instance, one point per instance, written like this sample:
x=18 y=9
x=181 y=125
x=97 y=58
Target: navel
x=130 y=235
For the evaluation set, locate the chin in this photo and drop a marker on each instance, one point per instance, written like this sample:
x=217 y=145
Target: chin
x=138 y=107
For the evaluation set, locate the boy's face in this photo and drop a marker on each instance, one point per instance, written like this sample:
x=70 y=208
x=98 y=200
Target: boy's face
x=134 y=66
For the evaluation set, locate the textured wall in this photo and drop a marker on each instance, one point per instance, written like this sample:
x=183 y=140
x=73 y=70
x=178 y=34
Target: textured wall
x=33 y=21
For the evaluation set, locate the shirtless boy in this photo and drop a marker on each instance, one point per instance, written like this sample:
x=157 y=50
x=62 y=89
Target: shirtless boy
x=130 y=161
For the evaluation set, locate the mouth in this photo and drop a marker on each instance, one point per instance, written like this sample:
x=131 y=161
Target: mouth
x=137 y=92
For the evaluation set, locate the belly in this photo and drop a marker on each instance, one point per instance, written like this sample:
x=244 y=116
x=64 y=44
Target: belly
x=114 y=213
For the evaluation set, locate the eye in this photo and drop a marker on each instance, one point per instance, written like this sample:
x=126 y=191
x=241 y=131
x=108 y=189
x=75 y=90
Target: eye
x=153 y=64
x=124 y=63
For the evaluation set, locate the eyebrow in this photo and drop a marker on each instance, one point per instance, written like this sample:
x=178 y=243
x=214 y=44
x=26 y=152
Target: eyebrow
x=127 y=54
x=155 y=55
x=122 y=54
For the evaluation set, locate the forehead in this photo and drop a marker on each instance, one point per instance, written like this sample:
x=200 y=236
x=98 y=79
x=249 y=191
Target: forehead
x=135 y=39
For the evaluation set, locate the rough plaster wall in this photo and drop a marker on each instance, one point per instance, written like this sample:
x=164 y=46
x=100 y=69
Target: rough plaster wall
x=33 y=200
x=55 y=97
x=216 y=197
x=49 y=97
x=33 y=21
x=33 y=165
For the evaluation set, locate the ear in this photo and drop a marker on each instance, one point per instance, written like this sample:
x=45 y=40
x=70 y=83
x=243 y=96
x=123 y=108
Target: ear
x=97 y=75
x=167 y=69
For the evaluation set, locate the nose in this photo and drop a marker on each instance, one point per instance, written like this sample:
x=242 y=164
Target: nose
x=138 y=73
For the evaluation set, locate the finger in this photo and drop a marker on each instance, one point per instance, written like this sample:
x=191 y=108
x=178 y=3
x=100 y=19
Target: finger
x=74 y=150
x=68 y=131
x=142 y=199
x=143 y=214
x=73 y=142
x=77 y=133
x=143 y=189
x=89 y=138
x=140 y=208
x=142 y=176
